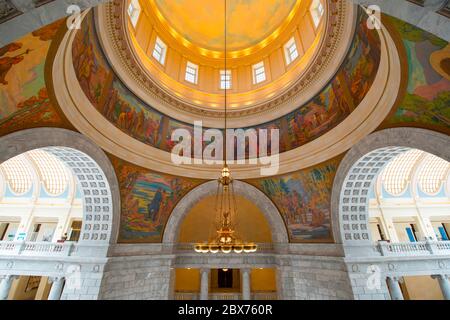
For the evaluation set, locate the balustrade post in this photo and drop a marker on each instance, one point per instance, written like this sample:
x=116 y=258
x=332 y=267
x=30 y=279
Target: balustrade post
x=383 y=247
x=431 y=246
x=20 y=246
x=70 y=249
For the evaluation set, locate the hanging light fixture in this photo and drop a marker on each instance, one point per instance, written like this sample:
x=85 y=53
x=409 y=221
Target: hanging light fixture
x=226 y=239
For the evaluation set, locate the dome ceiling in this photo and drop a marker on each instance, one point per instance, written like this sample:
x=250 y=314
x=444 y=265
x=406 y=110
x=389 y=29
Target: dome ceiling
x=290 y=80
x=112 y=98
x=202 y=21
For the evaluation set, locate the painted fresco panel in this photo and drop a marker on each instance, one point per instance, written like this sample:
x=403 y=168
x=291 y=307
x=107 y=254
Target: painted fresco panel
x=303 y=199
x=147 y=200
x=427 y=97
x=24 y=99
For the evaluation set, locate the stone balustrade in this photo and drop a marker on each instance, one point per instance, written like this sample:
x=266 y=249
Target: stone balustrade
x=186 y=296
x=225 y=296
x=259 y=295
x=264 y=295
x=414 y=248
x=46 y=249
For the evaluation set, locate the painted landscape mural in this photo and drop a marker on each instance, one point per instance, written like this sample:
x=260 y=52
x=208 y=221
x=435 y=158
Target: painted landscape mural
x=427 y=99
x=345 y=92
x=139 y=120
x=24 y=99
x=147 y=200
x=303 y=199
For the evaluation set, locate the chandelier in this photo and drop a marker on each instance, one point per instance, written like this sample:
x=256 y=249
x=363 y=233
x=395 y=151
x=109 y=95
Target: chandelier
x=226 y=239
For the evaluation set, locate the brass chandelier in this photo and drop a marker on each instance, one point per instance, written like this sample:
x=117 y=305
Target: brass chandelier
x=226 y=239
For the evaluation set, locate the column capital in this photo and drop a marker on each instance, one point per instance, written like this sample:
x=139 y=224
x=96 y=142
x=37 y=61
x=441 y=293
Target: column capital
x=398 y=279
x=441 y=276
x=205 y=270
x=246 y=270
x=8 y=277
x=55 y=279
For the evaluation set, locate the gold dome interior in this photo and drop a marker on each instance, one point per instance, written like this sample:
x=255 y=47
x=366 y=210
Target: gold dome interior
x=171 y=37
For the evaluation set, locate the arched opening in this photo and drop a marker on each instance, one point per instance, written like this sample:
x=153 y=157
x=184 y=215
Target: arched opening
x=225 y=276
x=410 y=200
x=359 y=171
x=409 y=205
x=242 y=189
x=56 y=203
x=391 y=199
x=198 y=226
x=251 y=224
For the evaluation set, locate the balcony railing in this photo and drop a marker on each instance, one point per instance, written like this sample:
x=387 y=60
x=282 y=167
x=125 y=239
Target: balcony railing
x=225 y=296
x=186 y=296
x=36 y=248
x=414 y=248
x=263 y=295
x=260 y=295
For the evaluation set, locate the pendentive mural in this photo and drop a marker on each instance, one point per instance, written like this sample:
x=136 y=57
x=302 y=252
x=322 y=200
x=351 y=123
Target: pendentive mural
x=147 y=199
x=24 y=99
x=427 y=97
x=121 y=107
x=303 y=199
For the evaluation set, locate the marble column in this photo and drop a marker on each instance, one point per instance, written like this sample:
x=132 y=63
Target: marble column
x=204 y=284
x=394 y=288
x=5 y=285
x=56 y=289
x=444 y=283
x=246 y=295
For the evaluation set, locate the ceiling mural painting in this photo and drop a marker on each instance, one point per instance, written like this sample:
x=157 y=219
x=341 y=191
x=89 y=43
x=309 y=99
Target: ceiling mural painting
x=202 y=21
x=24 y=99
x=427 y=97
x=303 y=199
x=147 y=199
x=331 y=106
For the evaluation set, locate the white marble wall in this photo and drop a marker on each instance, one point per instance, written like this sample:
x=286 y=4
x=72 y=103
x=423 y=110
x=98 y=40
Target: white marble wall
x=137 y=278
x=83 y=277
x=313 y=278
